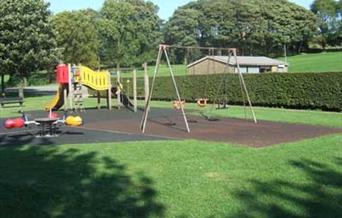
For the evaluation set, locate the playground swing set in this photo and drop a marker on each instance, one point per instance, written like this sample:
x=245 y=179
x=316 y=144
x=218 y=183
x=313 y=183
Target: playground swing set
x=179 y=103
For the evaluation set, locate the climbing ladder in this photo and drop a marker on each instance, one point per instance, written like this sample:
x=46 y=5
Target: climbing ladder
x=78 y=97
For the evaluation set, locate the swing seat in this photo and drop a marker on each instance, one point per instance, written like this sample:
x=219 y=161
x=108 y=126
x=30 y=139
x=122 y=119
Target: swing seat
x=202 y=102
x=177 y=105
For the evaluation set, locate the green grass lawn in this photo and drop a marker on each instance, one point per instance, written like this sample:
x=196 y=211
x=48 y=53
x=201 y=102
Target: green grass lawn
x=320 y=62
x=172 y=179
x=176 y=178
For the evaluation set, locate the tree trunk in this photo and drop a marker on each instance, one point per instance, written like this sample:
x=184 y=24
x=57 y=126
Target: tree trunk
x=21 y=88
x=2 y=84
x=323 y=43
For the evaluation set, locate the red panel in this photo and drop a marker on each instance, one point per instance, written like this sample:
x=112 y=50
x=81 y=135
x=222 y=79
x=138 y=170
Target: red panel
x=62 y=74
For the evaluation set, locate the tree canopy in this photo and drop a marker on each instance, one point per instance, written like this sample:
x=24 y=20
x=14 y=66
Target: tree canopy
x=255 y=26
x=27 y=41
x=129 y=31
x=330 y=26
x=77 y=37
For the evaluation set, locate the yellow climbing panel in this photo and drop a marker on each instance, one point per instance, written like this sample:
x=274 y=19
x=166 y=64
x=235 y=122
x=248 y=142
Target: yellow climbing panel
x=97 y=80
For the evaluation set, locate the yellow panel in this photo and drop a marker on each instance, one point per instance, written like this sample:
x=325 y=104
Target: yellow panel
x=97 y=80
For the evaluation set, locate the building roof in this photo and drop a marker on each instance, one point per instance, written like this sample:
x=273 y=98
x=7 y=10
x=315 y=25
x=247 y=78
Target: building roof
x=243 y=61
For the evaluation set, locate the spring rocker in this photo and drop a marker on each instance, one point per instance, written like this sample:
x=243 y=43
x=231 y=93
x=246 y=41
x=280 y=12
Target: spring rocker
x=47 y=126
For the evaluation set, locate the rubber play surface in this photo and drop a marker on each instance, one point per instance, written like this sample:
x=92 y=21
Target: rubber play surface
x=166 y=124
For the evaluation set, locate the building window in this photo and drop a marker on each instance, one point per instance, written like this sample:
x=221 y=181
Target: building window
x=253 y=70
x=242 y=70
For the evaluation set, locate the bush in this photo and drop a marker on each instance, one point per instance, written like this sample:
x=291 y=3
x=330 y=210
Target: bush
x=36 y=79
x=39 y=78
x=290 y=90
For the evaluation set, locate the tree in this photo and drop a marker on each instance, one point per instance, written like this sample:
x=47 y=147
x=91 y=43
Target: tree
x=181 y=30
x=77 y=37
x=130 y=31
x=256 y=27
x=27 y=41
x=336 y=36
x=327 y=11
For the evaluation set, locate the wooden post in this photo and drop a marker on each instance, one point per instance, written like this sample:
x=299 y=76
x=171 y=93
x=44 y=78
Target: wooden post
x=146 y=82
x=162 y=49
x=118 y=92
x=70 y=87
x=135 y=99
x=176 y=89
x=242 y=83
x=109 y=94
x=65 y=95
x=98 y=100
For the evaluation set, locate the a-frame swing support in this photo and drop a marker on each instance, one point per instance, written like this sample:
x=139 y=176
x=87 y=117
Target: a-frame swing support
x=243 y=85
x=244 y=90
x=162 y=50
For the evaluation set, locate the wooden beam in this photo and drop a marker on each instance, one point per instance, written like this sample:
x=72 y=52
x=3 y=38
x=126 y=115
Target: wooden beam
x=135 y=99
x=146 y=82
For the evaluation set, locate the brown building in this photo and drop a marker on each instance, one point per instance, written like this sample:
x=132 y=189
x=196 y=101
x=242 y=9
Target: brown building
x=248 y=64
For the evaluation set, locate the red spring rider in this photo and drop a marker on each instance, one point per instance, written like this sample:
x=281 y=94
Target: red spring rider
x=14 y=123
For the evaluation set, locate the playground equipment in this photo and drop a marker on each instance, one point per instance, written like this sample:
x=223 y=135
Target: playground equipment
x=14 y=123
x=123 y=99
x=177 y=105
x=71 y=79
x=47 y=125
x=201 y=102
x=73 y=121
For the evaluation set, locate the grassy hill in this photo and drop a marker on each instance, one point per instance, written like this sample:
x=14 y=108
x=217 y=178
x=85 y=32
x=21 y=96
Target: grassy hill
x=320 y=62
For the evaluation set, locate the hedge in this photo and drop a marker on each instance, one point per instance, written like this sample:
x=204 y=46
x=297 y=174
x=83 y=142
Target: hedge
x=289 y=90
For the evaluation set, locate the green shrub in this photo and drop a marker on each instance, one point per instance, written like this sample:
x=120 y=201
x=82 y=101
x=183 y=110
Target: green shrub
x=290 y=90
x=36 y=79
x=39 y=78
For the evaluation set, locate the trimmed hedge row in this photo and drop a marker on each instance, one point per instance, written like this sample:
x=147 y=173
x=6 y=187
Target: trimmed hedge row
x=290 y=90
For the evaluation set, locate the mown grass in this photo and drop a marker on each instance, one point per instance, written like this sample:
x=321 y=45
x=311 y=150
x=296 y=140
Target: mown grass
x=172 y=179
x=320 y=62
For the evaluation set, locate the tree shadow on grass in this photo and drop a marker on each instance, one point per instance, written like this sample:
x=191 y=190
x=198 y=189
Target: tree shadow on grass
x=47 y=182
x=320 y=195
